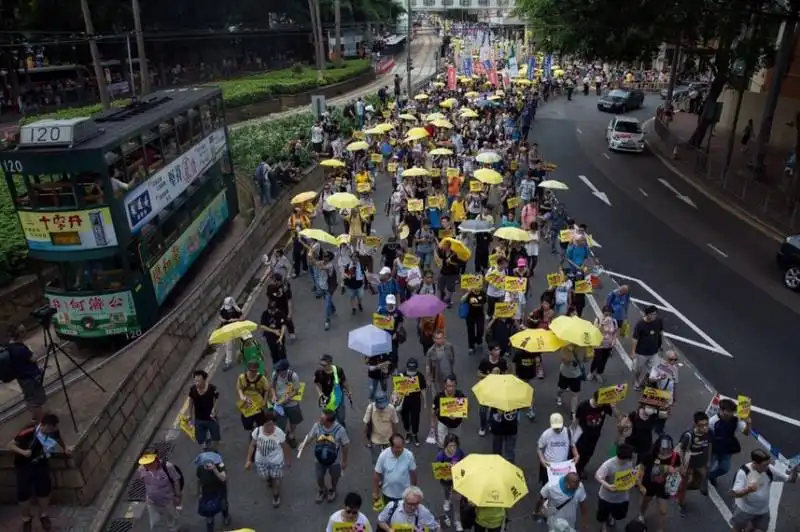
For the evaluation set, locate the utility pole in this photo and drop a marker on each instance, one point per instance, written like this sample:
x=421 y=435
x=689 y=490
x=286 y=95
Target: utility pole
x=137 y=26
x=409 y=64
x=95 y=52
x=337 y=15
x=315 y=38
x=673 y=70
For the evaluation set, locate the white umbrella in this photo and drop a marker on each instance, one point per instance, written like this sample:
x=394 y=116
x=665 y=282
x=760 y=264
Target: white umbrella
x=475 y=226
x=369 y=340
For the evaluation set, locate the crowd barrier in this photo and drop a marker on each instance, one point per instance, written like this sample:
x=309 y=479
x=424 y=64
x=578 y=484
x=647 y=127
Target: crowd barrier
x=646 y=86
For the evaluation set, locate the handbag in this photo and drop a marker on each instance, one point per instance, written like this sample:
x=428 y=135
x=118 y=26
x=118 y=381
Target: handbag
x=370 y=424
x=463 y=310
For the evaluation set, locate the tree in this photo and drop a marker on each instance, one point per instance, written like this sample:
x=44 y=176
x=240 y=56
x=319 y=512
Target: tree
x=98 y=69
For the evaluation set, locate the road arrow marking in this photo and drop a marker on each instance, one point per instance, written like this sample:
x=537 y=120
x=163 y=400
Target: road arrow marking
x=602 y=196
x=643 y=192
x=686 y=199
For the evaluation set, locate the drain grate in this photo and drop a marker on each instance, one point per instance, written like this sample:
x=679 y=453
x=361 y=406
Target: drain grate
x=163 y=449
x=120 y=525
x=136 y=490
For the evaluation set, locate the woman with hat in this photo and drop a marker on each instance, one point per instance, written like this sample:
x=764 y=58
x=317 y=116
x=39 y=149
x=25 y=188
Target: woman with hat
x=229 y=313
x=413 y=403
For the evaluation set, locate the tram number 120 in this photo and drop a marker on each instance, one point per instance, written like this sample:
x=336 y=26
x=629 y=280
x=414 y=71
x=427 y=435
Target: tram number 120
x=11 y=165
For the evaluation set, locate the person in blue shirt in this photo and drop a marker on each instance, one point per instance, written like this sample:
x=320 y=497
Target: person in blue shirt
x=387 y=286
x=577 y=254
x=618 y=300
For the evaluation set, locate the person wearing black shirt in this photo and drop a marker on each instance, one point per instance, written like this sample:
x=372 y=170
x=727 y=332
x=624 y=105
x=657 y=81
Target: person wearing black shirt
x=695 y=449
x=648 y=336
x=442 y=425
x=639 y=431
x=212 y=481
x=390 y=251
x=500 y=332
x=448 y=273
x=413 y=403
x=482 y=243
x=504 y=426
x=476 y=318
x=590 y=417
x=577 y=300
x=379 y=367
x=26 y=371
x=494 y=364
x=273 y=323
x=203 y=410
x=32 y=448
x=525 y=370
x=655 y=468
x=281 y=291
x=325 y=381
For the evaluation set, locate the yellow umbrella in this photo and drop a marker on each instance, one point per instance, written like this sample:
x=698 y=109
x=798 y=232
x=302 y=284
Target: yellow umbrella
x=320 y=236
x=552 y=184
x=407 y=117
x=438 y=84
x=471 y=94
x=489 y=481
x=494 y=98
x=421 y=96
x=521 y=81
x=488 y=157
x=415 y=171
x=503 y=392
x=441 y=151
x=231 y=331
x=499 y=92
x=463 y=79
x=441 y=122
x=556 y=67
x=374 y=131
x=434 y=116
x=450 y=102
x=332 y=163
x=512 y=233
x=304 y=197
x=385 y=127
x=488 y=176
x=343 y=239
x=537 y=341
x=469 y=113
x=343 y=200
x=458 y=247
x=416 y=133
x=576 y=331
x=357 y=146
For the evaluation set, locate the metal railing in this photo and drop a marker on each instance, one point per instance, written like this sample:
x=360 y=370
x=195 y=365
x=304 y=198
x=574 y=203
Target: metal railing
x=774 y=204
x=646 y=86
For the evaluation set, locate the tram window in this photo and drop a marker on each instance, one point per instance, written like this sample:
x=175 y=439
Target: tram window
x=195 y=126
x=205 y=116
x=169 y=140
x=102 y=274
x=18 y=190
x=91 y=187
x=153 y=151
x=53 y=190
x=220 y=120
x=184 y=133
x=133 y=162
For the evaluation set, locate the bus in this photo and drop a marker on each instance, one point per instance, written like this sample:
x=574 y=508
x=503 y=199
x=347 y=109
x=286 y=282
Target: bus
x=122 y=204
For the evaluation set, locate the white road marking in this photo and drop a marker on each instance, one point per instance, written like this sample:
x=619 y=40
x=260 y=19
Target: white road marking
x=684 y=198
x=643 y=192
x=602 y=196
x=712 y=344
x=720 y=504
x=606 y=156
x=689 y=341
x=579 y=130
x=715 y=248
x=642 y=303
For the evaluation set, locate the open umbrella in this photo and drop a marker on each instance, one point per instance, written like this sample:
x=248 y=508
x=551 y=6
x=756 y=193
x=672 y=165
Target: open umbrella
x=469 y=113
x=475 y=226
x=488 y=157
x=422 y=306
x=332 y=163
x=231 y=331
x=537 y=341
x=385 y=127
x=417 y=133
x=369 y=340
x=577 y=331
x=471 y=94
x=415 y=171
x=303 y=197
x=441 y=151
x=442 y=123
x=407 y=117
x=552 y=184
x=374 y=131
x=503 y=392
x=343 y=200
x=207 y=457
x=450 y=102
x=458 y=247
x=489 y=481
x=421 y=96
x=512 y=233
x=320 y=236
x=434 y=116
x=357 y=146
x=494 y=98
x=488 y=176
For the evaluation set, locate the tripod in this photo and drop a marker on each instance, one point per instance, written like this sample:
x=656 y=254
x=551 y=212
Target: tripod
x=52 y=348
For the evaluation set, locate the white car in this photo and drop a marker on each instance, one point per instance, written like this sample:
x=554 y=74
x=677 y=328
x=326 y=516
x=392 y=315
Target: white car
x=624 y=133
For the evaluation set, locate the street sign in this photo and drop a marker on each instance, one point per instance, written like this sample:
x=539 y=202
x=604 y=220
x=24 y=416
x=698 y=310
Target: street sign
x=318 y=105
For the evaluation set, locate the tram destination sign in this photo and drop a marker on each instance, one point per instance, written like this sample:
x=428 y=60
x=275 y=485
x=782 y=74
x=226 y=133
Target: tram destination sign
x=50 y=132
x=147 y=200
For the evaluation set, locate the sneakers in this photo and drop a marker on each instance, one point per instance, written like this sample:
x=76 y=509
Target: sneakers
x=320 y=496
x=331 y=495
x=416 y=440
x=446 y=506
x=540 y=372
x=408 y=438
x=531 y=414
x=360 y=308
x=559 y=401
x=327 y=326
x=276 y=501
x=459 y=527
x=292 y=336
x=481 y=432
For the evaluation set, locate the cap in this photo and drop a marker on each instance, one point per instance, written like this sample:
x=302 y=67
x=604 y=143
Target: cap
x=281 y=365
x=556 y=421
x=247 y=335
x=386 y=271
x=228 y=302
x=412 y=364
x=521 y=263
x=391 y=300
x=381 y=401
x=148 y=458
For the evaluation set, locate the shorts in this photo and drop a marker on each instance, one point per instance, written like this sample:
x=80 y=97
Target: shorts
x=33 y=481
x=572 y=384
x=206 y=430
x=250 y=423
x=741 y=519
x=543 y=477
x=644 y=363
x=355 y=293
x=293 y=414
x=447 y=283
x=442 y=431
x=608 y=510
x=655 y=490
x=32 y=391
x=335 y=471
x=316 y=147
x=269 y=471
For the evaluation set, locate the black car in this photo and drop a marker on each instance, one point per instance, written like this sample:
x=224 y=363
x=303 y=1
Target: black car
x=789 y=261
x=619 y=101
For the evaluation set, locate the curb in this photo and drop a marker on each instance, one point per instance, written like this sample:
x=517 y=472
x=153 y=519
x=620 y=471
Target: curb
x=765 y=228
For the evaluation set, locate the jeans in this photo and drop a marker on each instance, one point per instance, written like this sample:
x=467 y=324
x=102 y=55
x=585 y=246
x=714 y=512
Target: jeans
x=264 y=192
x=330 y=308
x=720 y=465
x=505 y=446
x=206 y=431
x=425 y=259
x=555 y=240
x=314 y=273
x=299 y=257
x=373 y=387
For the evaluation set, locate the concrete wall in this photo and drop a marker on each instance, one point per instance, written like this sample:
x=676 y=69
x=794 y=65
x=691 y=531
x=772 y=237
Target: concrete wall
x=783 y=136
x=79 y=479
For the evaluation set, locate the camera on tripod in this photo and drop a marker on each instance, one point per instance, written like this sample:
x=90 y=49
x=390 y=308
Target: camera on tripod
x=44 y=314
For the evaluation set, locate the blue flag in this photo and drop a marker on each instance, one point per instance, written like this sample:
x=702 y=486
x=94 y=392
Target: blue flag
x=531 y=67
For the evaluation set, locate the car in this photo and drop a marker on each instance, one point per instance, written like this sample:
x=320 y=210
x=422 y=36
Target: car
x=620 y=100
x=624 y=133
x=683 y=89
x=789 y=262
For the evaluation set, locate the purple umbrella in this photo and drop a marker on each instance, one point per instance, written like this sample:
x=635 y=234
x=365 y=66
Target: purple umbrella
x=425 y=306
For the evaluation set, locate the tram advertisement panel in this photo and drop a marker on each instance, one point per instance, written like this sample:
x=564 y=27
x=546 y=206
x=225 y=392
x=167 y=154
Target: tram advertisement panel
x=180 y=256
x=68 y=230
x=147 y=200
x=95 y=315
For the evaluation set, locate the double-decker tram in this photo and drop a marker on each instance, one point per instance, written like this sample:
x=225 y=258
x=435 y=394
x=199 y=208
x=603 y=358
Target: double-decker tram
x=122 y=204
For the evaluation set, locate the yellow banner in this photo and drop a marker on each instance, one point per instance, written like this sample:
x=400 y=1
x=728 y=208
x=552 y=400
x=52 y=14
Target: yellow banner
x=187 y=427
x=475 y=186
x=513 y=202
x=435 y=202
x=471 y=282
x=391 y=167
x=624 y=480
x=372 y=241
x=301 y=390
x=410 y=260
x=611 y=395
x=505 y=310
x=442 y=471
x=376 y=158
x=367 y=211
x=743 y=407
x=415 y=205
x=496 y=279
x=656 y=398
x=554 y=279
x=363 y=187
x=583 y=287
x=383 y=322
x=248 y=410
x=68 y=230
x=516 y=285
x=454 y=407
x=452 y=172
x=565 y=236
x=404 y=385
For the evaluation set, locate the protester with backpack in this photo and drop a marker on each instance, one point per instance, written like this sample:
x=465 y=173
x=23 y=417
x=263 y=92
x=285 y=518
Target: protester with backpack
x=724 y=444
x=163 y=488
x=213 y=486
x=17 y=362
x=751 y=491
x=286 y=387
x=409 y=510
x=331 y=447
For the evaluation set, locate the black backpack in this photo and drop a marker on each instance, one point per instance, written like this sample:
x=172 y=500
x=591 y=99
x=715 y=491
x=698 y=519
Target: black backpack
x=8 y=368
x=181 y=481
x=326 y=451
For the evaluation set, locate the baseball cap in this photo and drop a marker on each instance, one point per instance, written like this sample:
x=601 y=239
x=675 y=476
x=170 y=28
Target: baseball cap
x=281 y=365
x=556 y=421
x=148 y=458
x=391 y=300
x=381 y=401
x=386 y=271
x=247 y=335
x=228 y=302
x=521 y=263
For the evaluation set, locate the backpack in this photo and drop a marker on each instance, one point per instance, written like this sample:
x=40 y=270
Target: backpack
x=746 y=471
x=325 y=449
x=181 y=481
x=8 y=371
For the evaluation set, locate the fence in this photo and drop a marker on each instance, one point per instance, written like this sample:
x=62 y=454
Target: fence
x=646 y=86
x=775 y=203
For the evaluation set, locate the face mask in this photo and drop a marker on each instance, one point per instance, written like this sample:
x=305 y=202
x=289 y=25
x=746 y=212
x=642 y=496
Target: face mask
x=411 y=373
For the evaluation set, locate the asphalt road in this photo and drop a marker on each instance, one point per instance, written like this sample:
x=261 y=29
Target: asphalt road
x=714 y=273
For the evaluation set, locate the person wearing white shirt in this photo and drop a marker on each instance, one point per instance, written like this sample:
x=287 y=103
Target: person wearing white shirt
x=317 y=137
x=350 y=515
x=555 y=445
x=751 y=492
x=408 y=511
x=563 y=497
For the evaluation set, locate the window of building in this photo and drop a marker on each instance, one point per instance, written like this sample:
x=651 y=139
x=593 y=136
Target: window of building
x=169 y=141
x=483 y=3
x=465 y=3
x=205 y=117
x=195 y=126
x=447 y=3
x=429 y=3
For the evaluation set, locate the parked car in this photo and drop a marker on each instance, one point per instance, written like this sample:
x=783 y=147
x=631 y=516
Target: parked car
x=624 y=133
x=789 y=261
x=621 y=100
x=682 y=89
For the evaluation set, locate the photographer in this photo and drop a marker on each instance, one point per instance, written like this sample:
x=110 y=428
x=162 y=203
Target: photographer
x=20 y=365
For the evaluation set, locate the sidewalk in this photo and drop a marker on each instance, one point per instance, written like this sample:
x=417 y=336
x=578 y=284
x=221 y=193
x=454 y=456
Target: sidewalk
x=765 y=202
